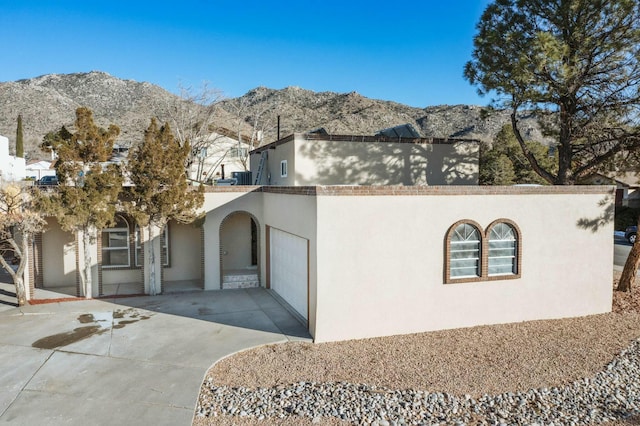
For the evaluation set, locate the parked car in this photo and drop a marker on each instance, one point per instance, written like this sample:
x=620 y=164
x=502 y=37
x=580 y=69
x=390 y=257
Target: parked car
x=47 y=181
x=630 y=233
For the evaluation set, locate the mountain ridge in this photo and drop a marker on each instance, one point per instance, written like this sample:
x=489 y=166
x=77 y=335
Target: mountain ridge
x=49 y=101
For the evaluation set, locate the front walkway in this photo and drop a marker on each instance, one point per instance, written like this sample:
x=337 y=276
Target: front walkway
x=123 y=361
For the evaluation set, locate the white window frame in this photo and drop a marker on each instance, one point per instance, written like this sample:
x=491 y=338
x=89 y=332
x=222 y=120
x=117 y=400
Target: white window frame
x=164 y=246
x=118 y=248
x=464 y=238
x=283 y=168
x=513 y=246
x=238 y=152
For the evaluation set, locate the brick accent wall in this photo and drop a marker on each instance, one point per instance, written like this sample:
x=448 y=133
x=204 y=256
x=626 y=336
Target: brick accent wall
x=99 y=261
x=202 y=260
x=355 y=190
x=78 y=272
x=35 y=265
x=361 y=138
x=372 y=190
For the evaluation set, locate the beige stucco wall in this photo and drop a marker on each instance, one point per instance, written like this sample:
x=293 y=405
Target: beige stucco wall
x=380 y=262
x=120 y=276
x=235 y=241
x=58 y=256
x=383 y=163
x=271 y=171
x=185 y=253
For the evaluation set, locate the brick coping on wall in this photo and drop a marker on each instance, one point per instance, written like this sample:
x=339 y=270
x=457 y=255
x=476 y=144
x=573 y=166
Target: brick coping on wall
x=360 y=138
x=361 y=190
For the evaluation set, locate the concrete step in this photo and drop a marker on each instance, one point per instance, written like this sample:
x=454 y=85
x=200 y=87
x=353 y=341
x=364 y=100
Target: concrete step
x=245 y=280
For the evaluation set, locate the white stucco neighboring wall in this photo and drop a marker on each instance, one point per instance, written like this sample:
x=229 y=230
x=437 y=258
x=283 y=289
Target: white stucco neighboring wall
x=381 y=260
x=38 y=169
x=11 y=168
x=219 y=150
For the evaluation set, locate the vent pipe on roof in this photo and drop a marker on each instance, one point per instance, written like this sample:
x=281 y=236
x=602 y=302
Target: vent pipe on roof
x=278 y=128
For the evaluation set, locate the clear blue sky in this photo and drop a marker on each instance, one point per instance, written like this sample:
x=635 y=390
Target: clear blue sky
x=412 y=52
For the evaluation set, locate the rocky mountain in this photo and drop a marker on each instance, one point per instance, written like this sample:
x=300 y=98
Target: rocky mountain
x=48 y=102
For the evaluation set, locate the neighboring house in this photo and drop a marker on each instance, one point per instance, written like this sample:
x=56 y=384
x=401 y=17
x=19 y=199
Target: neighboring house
x=39 y=168
x=356 y=261
x=11 y=168
x=627 y=185
x=220 y=155
x=322 y=159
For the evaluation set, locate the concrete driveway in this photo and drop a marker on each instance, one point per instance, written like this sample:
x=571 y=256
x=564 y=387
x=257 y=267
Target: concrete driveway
x=137 y=360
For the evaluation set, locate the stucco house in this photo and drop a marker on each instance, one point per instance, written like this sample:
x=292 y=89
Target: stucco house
x=39 y=168
x=323 y=159
x=374 y=257
x=220 y=156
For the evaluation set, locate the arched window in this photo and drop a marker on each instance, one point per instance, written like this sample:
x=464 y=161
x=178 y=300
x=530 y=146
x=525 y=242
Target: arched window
x=115 y=244
x=464 y=251
x=502 y=250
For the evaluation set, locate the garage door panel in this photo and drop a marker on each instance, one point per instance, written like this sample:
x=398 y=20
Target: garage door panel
x=288 y=266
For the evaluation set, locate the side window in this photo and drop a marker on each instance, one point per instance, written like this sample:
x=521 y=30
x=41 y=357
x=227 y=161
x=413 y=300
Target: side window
x=283 y=168
x=115 y=244
x=503 y=249
x=464 y=251
x=472 y=255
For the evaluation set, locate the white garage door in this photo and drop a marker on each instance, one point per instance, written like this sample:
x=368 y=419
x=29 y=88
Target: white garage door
x=288 y=264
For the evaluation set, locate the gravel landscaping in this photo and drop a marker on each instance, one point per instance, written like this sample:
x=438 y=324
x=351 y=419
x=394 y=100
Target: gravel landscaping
x=569 y=371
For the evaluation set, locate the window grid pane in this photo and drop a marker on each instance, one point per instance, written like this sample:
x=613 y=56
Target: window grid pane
x=502 y=250
x=464 y=251
x=115 y=245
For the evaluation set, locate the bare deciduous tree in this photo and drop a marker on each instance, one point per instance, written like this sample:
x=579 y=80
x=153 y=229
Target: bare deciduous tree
x=19 y=221
x=193 y=119
x=258 y=120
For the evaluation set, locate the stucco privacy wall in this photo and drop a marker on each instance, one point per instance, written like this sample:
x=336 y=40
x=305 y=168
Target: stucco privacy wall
x=380 y=258
x=320 y=162
x=220 y=202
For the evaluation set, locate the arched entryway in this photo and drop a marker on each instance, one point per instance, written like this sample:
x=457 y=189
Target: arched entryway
x=239 y=251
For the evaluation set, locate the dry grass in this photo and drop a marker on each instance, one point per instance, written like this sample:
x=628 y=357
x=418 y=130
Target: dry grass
x=477 y=360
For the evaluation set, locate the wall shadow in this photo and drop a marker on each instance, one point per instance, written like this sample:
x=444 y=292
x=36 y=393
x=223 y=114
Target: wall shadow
x=594 y=224
x=386 y=163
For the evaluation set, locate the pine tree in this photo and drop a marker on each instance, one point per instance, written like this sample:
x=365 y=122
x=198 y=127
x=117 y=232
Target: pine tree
x=505 y=164
x=19 y=138
x=160 y=191
x=574 y=64
x=87 y=197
